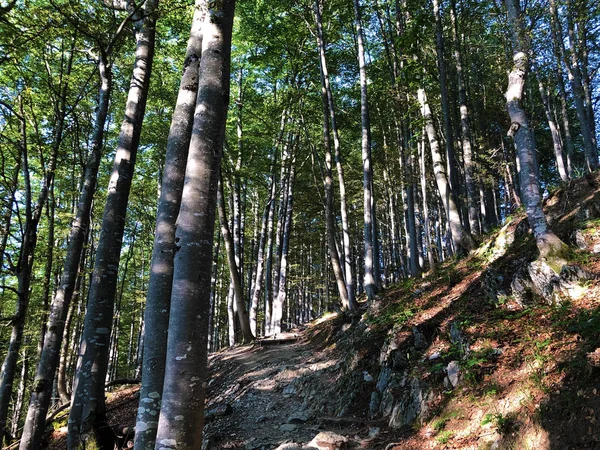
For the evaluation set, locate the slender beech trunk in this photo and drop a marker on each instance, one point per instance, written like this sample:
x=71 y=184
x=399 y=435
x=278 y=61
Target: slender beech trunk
x=279 y=302
x=50 y=354
x=50 y=213
x=87 y=417
x=446 y=116
x=158 y=299
x=460 y=237
x=426 y=219
x=547 y=242
x=559 y=158
x=185 y=374
x=260 y=260
x=213 y=295
x=33 y=214
x=371 y=285
x=574 y=72
x=236 y=280
x=558 y=50
x=18 y=404
x=465 y=129
x=326 y=87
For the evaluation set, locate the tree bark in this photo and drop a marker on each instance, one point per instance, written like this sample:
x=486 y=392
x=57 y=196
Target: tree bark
x=575 y=79
x=446 y=116
x=156 y=316
x=465 y=128
x=279 y=302
x=559 y=159
x=326 y=87
x=181 y=415
x=461 y=239
x=236 y=280
x=547 y=242
x=33 y=215
x=50 y=354
x=370 y=283
x=87 y=416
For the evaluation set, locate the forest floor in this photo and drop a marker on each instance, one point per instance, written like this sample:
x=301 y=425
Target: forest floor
x=527 y=371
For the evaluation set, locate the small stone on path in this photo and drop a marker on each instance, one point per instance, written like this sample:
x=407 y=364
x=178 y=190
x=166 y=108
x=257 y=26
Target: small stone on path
x=327 y=440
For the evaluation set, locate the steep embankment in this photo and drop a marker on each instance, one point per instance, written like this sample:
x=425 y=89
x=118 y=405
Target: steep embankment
x=494 y=351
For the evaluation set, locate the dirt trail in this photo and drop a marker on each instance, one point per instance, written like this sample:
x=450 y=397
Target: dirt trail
x=272 y=390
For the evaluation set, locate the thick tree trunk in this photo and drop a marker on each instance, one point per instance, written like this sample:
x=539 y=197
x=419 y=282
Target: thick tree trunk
x=87 y=416
x=548 y=243
x=50 y=354
x=181 y=415
x=460 y=237
x=233 y=267
x=158 y=299
x=371 y=285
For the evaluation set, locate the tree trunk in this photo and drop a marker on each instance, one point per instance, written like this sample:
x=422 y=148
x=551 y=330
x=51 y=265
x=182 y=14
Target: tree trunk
x=18 y=405
x=547 y=242
x=156 y=316
x=185 y=374
x=233 y=267
x=426 y=219
x=574 y=72
x=347 y=256
x=446 y=116
x=50 y=354
x=460 y=237
x=465 y=128
x=370 y=284
x=558 y=50
x=33 y=215
x=561 y=165
x=87 y=417
x=285 y=244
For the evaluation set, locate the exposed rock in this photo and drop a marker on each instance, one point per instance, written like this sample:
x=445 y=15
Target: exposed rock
x=218 y=410
x=288 y=427
x=367 y=377
x=290 y=389
x=299 y=417
x=328 y=440
x=453 y=371
x=289 y=446
x=374 y=432
x=553 y=287
x=420 y=340
x=374 y=404
x=458 y=339
x=596 y=249
x=410 y=404
x=384 y=378
x=578 y=239
x=521 y=287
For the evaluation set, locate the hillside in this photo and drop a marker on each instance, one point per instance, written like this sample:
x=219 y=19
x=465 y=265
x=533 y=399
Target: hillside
x=475 y=357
